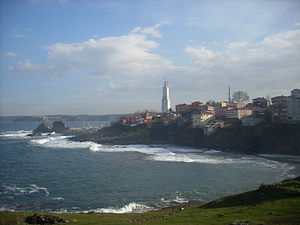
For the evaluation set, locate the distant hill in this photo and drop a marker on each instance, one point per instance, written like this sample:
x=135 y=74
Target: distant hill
x=51 y=118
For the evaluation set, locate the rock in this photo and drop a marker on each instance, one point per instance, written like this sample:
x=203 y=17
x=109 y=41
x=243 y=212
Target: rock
x=59 y=127
x=34 y=135
x=44 y=219
x=42 y=128
x=291 y=179
x=240 y=222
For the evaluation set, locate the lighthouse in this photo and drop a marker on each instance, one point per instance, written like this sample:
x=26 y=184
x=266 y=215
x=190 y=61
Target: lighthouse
x=165 y=102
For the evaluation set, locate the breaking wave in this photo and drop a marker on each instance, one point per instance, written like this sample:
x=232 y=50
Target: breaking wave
x=130 y=208
x=15 y=134
x=164 y=153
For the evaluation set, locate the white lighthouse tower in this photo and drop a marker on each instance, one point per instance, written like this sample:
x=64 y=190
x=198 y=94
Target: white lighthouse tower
x=165 y=102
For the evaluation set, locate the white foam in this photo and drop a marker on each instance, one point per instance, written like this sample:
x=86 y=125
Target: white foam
x=165 y=153
x=15 y=134
x=58 y=198
x=60 y=142
x=33 y=188
x=130 y=208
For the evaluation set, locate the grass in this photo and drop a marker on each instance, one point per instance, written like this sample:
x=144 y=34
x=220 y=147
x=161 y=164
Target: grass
x=277 y=204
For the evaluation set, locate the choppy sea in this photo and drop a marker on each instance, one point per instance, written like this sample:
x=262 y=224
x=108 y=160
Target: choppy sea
x=52 y=173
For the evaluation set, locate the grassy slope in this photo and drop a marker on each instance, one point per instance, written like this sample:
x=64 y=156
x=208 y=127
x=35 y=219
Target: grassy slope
x=271 y=204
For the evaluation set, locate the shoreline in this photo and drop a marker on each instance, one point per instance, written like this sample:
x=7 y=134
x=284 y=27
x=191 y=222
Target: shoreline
x=264 y=205
x=263 y=139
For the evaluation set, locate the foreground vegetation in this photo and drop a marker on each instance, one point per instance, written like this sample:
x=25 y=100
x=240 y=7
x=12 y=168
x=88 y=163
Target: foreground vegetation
x=270 y=204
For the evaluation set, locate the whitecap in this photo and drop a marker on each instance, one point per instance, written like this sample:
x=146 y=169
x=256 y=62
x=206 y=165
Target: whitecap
x=58 y=198
x=15 y=134
x=60 y=142
x=129 y=208
x=33 y=188
x=178 y=199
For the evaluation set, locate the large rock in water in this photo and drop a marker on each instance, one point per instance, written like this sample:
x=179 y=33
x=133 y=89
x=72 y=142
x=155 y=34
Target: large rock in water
x=59 y=127
x=42 y=128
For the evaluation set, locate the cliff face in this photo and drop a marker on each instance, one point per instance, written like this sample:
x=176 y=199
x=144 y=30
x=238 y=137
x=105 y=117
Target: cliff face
x=272 y=138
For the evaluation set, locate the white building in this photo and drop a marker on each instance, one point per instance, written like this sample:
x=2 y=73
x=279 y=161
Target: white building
x=165 y=102
x=293 y=108
x=201 y=118
x=237 y=114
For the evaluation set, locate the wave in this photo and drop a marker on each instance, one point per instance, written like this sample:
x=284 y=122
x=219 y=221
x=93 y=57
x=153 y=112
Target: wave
x=15 y=134
x=60 y=142
x=164 y=153
x=168 y=153
x=177 y=200
x=130 y=208
x=33 y=188
x=58 y=198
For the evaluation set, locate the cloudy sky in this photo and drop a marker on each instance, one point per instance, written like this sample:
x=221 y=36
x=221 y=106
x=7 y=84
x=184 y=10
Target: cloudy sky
x=105 y=57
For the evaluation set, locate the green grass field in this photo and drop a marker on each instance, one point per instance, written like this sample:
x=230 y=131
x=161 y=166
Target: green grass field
x=270 y=204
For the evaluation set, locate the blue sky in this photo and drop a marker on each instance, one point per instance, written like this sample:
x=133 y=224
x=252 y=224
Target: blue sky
x=105 y=57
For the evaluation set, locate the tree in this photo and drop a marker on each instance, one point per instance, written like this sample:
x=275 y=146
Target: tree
x=210 y=102
x=240 y=97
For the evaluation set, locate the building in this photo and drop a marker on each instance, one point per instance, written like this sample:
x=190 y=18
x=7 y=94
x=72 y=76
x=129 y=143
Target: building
x=196 y=105
x=220 y=112
x=251 y=121
x=279 y=108
x=180 y=108
x=293 y=108
x=295 y=93
x=165 y=102
x=237 y=114
x=199 y=119
x=224 y=104
x=261 y=103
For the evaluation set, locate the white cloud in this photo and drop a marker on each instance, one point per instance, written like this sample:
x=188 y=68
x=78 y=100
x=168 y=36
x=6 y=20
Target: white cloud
x=201 y=55
x=266 y=66
x=236 y=45
x=19 y=36
x=297 y=24
x=127 y=67
x=126 y=56
x=9 y=55
x=40 y=1
x=151 y=30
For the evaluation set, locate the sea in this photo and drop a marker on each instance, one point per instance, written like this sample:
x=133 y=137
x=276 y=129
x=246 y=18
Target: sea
x=54 y=174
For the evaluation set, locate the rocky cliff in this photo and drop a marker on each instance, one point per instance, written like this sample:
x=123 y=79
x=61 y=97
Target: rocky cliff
x=264 y=138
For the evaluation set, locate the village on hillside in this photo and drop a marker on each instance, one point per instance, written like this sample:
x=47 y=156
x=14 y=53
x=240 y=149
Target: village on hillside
x=214 y=115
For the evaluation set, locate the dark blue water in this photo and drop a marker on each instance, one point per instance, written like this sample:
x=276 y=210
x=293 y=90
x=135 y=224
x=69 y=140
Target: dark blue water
x=54 y=174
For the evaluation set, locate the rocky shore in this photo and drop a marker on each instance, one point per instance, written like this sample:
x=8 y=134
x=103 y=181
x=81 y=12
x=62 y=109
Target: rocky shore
x=260 y=139
x=263 y=138
x=59 y=126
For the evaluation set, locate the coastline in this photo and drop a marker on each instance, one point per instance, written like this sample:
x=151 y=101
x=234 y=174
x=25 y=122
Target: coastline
x=269 y=204
x=282 y=139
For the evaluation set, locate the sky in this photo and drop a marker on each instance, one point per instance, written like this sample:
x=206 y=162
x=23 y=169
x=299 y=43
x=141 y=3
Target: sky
x=108 y=57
